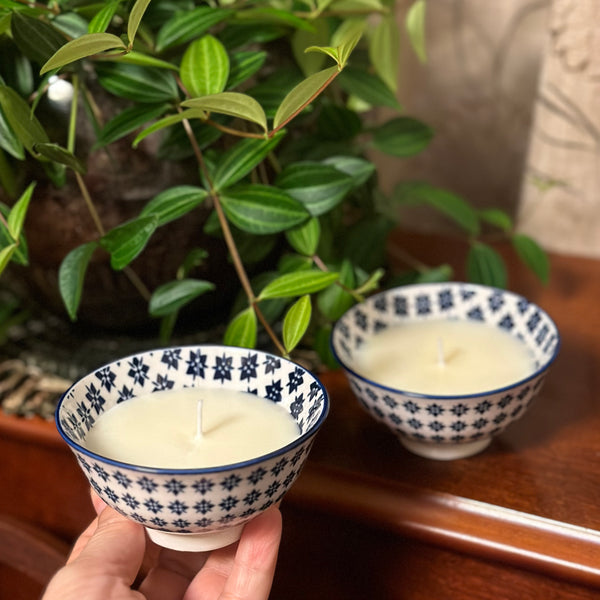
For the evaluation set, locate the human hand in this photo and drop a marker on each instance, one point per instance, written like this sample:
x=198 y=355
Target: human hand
x=107 y=557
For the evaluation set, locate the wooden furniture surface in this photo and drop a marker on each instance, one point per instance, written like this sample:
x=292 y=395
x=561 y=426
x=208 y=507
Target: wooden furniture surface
x=531 y=500
x=367 y=519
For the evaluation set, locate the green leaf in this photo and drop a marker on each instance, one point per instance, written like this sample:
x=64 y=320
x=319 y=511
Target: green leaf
x=532 y=255
x=245 y=35
x=27 y=128
x=305 y=238
x=35 y=38
x=268 y=15
x=127 y=121
x=174 y=295
x=187 y=25
x=496 y=217
x=175 y=145
x=302 y=39
x=71 y=24
x=135 y=18
x=322 y=346
x=262 y=209
x=334 y=301
x=402 y=137
x=20 y=253
x=319 y=187
x=296 y=322
x=126 y=241
x=71 y=276
x=338 y=123
x=301 y=95
x=174 y=202
x=358 y=168
x=384 y=51
x=8 y=139
x=86 y=45
x=60 y=155
x=22 y=78
x=242 y=330
x=6 y=254
x=233 y=104
x=103 y=18
x=364 y=243
x=368 y=87
x=242 y=65
x=270 y=92
x=371 y=283
x=415 y=27
x=442 y=200
x=194 y=258
x=298 y=284
x=485 y=266
x=348 y=42
x=357 y=5
x=144 y=60
x=435 y=274
x=238 y=161
x=205 y=67
x=145 y=85
x=168 y=122
x=16 y=218
x=289 y=263
x=327 y=50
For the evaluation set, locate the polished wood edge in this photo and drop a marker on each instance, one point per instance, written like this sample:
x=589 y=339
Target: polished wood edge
x=551 y=547
x=476 y=528
x=31 y=429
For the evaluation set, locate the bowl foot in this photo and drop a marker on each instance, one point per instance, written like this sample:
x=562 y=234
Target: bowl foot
x=195 y=542
x=445 y=451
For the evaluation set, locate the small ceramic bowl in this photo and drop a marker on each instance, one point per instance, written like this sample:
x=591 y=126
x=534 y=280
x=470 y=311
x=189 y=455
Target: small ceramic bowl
x=446 y=427
x=194 y=509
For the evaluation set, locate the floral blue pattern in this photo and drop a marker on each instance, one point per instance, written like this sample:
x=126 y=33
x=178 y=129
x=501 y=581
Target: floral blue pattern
x=447 y=419
x=200 y=500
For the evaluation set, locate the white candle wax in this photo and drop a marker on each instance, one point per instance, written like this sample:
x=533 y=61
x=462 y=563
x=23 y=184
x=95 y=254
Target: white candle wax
x=159 y=429
x=446 y=358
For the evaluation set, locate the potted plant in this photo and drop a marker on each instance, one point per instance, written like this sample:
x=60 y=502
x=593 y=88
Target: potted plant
x=265 y=111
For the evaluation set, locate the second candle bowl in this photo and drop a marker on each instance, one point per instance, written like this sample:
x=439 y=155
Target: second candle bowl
x=194 y=509
x=453 y=425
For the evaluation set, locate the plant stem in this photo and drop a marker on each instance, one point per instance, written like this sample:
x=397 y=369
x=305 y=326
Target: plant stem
x=230 y=242
x=236 y=132
x=139 y=285
x=73 y=115
x=128 y=271
x=89 y=203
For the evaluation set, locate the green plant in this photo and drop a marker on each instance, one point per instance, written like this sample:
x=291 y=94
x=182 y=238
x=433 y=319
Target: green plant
x=274 y=102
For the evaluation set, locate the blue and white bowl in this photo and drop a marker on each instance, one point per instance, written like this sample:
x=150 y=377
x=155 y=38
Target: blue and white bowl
x=446 y=427
x=194 y=509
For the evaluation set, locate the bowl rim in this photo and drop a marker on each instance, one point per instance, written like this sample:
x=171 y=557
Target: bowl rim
x=453 y=397
x=76 y=446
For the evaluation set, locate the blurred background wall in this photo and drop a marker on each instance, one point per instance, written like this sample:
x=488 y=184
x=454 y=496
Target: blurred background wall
x=511 y=90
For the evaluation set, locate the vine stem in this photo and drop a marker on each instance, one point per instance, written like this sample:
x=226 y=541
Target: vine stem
x=230 y=243
x=89 y=203
x=128 y=271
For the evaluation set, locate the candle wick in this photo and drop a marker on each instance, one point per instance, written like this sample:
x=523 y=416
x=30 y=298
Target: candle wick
x=440 y=353
x=199 y=430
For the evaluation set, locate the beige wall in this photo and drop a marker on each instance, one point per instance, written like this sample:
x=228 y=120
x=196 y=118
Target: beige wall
x=512 y=90
x=476 y=91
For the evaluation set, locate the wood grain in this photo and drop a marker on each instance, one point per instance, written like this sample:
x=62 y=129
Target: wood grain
x=368 y=519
